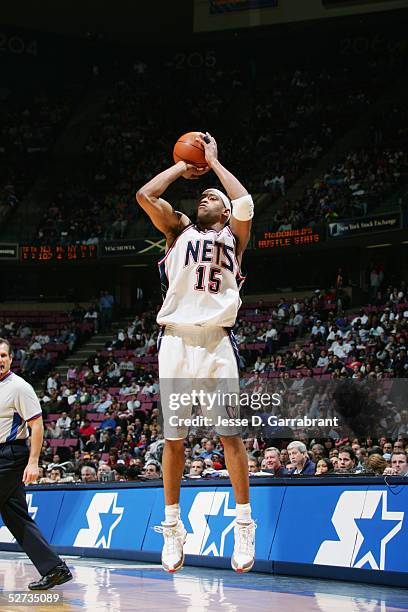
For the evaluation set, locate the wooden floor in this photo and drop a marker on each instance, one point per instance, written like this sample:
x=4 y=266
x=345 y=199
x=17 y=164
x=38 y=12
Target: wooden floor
x=116 y=586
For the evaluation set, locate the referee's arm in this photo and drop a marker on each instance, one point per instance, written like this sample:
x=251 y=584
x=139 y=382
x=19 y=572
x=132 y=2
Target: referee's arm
x=31 y=471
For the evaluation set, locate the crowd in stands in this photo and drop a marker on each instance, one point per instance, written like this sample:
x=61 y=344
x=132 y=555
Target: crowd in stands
x=30 y=122
x=41 y=338
x=29 y=127
x=204 y=458
x=78 y=214
x=289 y=118
x=103 y=419
x=371 y=343
x=358 y=183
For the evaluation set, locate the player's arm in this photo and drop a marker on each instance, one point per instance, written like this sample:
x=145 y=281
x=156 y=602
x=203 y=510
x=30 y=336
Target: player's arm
x=161 y=213
x=242 y=204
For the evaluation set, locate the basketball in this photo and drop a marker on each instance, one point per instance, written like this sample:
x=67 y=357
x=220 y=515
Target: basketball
x=190 y=150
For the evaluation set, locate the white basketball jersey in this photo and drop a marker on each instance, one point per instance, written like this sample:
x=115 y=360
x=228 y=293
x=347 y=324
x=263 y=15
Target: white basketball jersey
x=200 y=279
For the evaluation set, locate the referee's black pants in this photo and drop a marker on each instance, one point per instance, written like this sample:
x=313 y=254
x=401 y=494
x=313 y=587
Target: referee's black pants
x=14 y=511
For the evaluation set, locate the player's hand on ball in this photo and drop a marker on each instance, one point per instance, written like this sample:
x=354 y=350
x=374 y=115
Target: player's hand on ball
x=210 y=147
x=192 y=172
x=31 y=472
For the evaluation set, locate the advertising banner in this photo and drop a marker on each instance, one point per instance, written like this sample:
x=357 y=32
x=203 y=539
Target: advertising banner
x=365 y=225
x=302 y=237
x=212 y=15
x=123 y=248
x=8 y=251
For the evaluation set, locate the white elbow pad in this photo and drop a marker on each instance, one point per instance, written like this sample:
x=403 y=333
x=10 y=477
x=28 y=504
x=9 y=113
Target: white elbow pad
x=243 y=208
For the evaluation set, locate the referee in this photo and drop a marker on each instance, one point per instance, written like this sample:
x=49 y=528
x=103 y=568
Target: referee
x=19 y=407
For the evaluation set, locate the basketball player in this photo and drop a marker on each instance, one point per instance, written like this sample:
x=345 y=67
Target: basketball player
x=19 y=407
x=201 y=275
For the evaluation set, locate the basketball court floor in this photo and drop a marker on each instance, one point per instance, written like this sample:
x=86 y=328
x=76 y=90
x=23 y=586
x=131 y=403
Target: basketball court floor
x=121 y=586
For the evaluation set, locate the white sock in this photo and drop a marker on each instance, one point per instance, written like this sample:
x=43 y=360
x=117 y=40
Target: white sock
x=244 y=513
x=172 y=513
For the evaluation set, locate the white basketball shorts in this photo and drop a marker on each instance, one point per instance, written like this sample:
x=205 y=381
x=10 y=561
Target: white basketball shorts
x=198 y=370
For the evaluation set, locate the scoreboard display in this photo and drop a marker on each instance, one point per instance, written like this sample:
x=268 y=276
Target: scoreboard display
x=59 y=252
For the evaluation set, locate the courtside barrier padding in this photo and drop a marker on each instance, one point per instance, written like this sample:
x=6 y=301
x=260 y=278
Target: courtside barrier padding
x=353 y=528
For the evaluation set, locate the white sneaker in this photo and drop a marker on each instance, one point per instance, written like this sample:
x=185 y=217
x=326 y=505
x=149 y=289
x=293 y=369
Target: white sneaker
x=174 y=538
x=243 y=557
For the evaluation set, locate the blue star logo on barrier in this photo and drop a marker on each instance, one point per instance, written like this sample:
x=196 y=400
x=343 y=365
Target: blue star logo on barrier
x=377 y=531
x=225 y=521
x=109 y=520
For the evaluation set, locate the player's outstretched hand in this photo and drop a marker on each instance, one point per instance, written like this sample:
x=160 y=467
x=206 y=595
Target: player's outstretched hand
x=210 y=147
x=192 y=172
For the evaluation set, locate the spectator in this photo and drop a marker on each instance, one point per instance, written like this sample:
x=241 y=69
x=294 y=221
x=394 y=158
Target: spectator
x=361 y=457
x=108 y=423
x=104 y=473
x=152 y=470
x=92 y=315
x=52 y=382
x=324 y=466
x=88 y=474
x=318 y=452
x=298 y=456
x=399 y=464
x=72 y=373
x=209 y=448
x=64 y=423
x=271 y=338
x=347 y=460
x=209 y=467
x=284 y=456
x=259 y=365
x=387 y=448
x=197 y=468
x=55 y=474
x=376 y=464
x=52 y=431
x=273 y=462
x=87 y=430
x=119 y=471
x=92 y=445
x=106 y=302
x=253 y=465
x=318 y=330
x=132 y=473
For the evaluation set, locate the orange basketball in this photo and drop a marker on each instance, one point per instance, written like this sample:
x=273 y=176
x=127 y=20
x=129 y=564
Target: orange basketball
x=190 y=150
